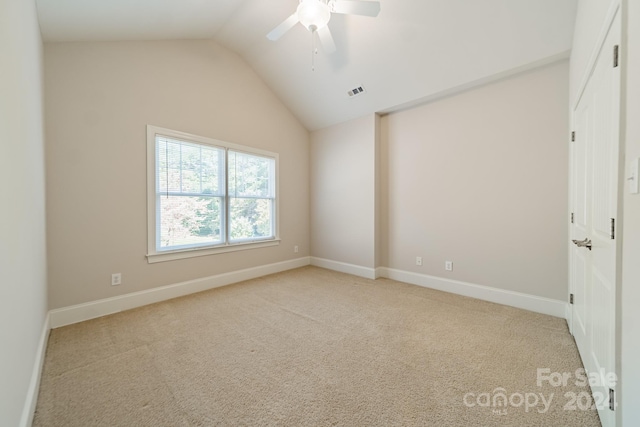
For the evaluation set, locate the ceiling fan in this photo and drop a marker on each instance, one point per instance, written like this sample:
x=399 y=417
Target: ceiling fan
x=315 y=15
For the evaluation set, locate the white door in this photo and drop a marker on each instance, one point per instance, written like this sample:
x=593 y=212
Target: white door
x=595 y=184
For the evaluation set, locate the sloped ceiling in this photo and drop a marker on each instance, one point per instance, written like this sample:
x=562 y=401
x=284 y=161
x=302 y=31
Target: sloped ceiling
x=413 y=50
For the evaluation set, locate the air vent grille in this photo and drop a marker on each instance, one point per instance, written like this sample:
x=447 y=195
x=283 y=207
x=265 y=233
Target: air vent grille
x=356 y=91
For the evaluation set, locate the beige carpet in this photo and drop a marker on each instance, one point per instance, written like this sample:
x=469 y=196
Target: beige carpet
x=311 y=347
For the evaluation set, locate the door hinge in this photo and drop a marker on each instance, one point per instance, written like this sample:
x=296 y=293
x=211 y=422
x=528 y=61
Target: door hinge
x=573 y=136
x=612 y=399
x=573 y=218
x=613 y=228
x=570 y=298
x=615 y=56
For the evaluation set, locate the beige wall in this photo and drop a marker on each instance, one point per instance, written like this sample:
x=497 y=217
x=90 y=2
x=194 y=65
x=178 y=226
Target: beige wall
x=343 y=192
x=630 y=292
x=480 y=179
x=99 y=98
x=23 y=293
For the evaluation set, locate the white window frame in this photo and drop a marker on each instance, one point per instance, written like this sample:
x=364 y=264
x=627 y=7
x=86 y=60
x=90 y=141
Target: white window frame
x=153 y=255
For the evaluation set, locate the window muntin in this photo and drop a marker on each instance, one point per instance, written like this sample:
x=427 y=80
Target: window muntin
x=208 y=194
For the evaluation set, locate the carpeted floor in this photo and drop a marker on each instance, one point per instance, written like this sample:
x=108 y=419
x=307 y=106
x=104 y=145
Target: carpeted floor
x=312 y=347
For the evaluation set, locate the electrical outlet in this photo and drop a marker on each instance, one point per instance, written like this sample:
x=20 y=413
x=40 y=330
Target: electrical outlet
x=295 y=249
x=418 y=260
x=448 y=265
x=116 y=279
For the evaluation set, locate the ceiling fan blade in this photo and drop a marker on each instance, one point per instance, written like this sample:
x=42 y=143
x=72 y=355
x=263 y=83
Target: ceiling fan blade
x=286 y=25
x=351 y=7
x=326 y=40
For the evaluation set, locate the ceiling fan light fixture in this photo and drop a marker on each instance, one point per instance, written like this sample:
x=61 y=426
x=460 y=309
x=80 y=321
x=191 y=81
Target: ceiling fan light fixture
x=313 y=14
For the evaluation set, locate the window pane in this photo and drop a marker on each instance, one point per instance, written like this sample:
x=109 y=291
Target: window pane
x=250 y=218
x=168 y=165
x=212 y=171
x=250 y=176
x=189 y=221
x=189 y=168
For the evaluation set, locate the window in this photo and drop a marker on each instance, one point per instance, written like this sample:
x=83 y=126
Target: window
x=207 y=196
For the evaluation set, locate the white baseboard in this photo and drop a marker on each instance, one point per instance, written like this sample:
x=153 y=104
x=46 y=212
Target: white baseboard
x=29 y=408
x=343 y=267
x=81 y=312
x=501 y=296
x=514 y=299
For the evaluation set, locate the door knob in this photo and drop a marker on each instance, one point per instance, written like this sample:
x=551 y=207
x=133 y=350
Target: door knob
x=586 y=243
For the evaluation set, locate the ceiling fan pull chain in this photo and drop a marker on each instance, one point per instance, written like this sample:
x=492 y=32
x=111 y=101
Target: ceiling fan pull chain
x=314 y=51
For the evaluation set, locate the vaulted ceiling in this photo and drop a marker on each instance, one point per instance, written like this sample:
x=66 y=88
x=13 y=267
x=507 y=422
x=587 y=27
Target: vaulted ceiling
x=414 y=50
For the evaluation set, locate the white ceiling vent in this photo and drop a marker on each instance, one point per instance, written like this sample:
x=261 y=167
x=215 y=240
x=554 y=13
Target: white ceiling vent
x=356 y=91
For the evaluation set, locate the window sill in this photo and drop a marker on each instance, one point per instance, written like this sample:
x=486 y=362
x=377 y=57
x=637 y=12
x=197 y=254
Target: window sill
x=196 y=252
